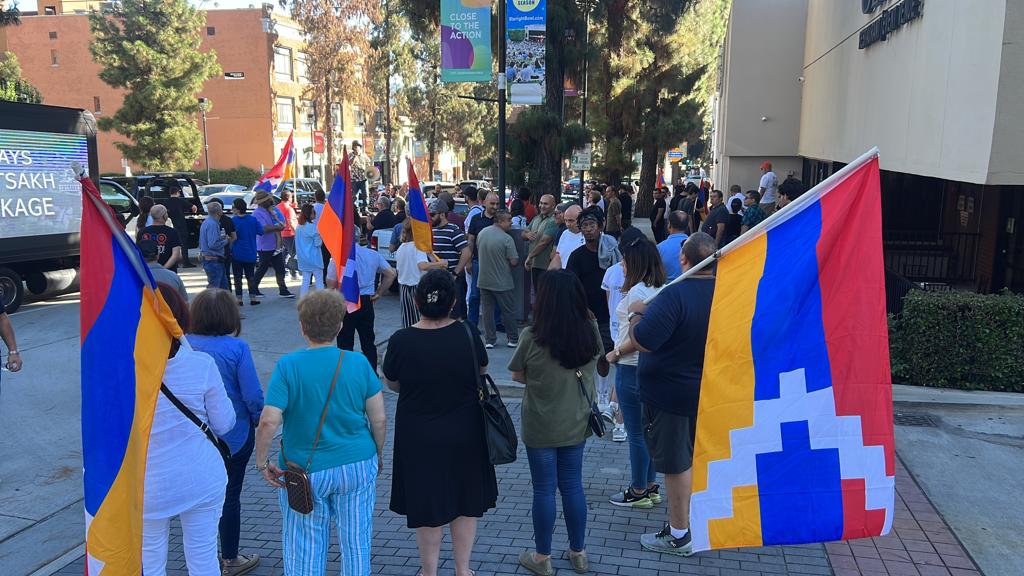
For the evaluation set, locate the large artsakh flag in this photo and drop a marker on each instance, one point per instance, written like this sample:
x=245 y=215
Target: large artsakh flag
x=794 y=430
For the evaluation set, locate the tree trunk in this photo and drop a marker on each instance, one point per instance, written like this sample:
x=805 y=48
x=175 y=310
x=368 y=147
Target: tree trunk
x=614 y=154
x=387 y=129
x=648 y=179
x=433 y=129
x=330 y=136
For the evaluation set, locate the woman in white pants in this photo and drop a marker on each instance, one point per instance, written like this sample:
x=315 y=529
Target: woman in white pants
x=307 y=250
x=185 y=474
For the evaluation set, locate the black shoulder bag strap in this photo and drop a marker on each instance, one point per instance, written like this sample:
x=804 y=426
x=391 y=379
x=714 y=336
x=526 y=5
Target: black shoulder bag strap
x=221 y=445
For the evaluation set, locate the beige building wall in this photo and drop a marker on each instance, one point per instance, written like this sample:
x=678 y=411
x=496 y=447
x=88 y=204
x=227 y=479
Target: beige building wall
x=926 y=96
x=759 y=101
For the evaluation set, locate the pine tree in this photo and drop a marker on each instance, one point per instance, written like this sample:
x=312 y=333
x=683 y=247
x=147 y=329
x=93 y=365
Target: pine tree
x=10 y=17
x=13 y=87
x=151 y=49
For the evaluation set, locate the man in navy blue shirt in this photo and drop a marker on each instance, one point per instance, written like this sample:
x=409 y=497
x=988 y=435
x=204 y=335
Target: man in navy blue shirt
x=671 y=334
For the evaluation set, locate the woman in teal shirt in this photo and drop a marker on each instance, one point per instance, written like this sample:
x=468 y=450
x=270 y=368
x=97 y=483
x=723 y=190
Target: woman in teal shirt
x=343 y=470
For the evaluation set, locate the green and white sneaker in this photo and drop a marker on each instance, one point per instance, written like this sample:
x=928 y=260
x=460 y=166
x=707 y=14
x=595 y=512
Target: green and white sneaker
x=664 y=543
x=654 y=494
x=629 y=499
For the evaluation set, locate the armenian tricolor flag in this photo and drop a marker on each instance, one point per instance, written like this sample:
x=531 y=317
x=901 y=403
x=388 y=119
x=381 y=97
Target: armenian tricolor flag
x=794 y=429
x=661 y=179
x=338 y=229
x=127 y=330
x=282 y=171
x=419 y=217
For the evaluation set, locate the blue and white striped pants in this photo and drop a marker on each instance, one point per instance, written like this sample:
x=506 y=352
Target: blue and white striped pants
x=345 y=496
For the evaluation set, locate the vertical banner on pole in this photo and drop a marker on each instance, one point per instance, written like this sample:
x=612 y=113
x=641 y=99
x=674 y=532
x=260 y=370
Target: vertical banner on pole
x=465 y=40
x=526 y=30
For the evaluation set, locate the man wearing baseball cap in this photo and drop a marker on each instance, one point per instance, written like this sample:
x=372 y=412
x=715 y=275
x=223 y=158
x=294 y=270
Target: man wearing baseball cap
x=768 y=188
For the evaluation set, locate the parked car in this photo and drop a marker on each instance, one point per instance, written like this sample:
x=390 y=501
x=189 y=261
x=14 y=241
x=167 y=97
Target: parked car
x=211 y=189
x=480 y=184
x=431 y=188
x=124 y=205
x=304 y=189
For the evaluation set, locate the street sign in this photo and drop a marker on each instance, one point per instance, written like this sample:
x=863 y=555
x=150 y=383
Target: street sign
x=581 y=158
x=318 y=142
x=234 y=75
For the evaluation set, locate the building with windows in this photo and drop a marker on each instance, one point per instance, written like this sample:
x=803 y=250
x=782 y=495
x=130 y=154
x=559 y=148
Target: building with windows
x=812 y=84
x=254 y=104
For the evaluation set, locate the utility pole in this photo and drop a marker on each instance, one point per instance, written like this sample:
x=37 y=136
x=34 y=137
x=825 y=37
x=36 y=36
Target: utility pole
x=204 y=104
x=330 y=132
x=586 y=93
x=387 y=96
x=502 y=89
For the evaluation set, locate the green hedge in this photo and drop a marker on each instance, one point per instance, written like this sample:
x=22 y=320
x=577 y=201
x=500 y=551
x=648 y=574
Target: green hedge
x=959 y=340
x=242 y=175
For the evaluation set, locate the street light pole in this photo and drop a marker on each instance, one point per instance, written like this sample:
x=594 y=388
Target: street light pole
x=203 y=105
x=586 y=94
x=502 y=87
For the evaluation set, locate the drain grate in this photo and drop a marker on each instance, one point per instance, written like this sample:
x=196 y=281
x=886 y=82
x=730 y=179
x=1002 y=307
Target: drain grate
x=914 y=419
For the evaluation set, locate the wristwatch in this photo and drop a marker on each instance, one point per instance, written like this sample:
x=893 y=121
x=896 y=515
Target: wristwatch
x=264 y=467
x=13 y=352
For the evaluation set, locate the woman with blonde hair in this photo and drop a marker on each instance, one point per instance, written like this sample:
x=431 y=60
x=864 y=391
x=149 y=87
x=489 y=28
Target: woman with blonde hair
x=330 y=405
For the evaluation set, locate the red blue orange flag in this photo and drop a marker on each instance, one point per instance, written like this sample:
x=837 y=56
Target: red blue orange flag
x=661 y=178
x=126 y=331
x=419 y=217
x=337 y=227
x=794 y=436
x=282 y=171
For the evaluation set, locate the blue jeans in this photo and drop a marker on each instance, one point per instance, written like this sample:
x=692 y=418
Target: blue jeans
x=216 y=274
x=640 y=464
x=560 y=468
x=231 y=516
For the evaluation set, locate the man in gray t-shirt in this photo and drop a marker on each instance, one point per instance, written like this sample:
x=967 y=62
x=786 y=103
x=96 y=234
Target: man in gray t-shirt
x=498 y=258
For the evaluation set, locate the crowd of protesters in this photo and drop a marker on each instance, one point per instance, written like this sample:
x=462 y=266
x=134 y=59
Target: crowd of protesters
x=569 y=285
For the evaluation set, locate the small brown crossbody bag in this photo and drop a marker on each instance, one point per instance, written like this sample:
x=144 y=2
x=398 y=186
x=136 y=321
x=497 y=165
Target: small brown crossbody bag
x=296 y=478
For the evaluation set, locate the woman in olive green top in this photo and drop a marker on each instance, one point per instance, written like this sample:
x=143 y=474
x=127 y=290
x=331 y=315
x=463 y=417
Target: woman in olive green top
x=555 y=425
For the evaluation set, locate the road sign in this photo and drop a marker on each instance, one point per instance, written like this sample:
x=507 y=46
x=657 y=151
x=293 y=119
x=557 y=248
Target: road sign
x=581 y=158
x=318 y=142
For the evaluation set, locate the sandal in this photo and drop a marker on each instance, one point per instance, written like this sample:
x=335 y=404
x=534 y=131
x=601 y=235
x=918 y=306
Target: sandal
x=244 y=566
x=579 y=562
x=542 y=568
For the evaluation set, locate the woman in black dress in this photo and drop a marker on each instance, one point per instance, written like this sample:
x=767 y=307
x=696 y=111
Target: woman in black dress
x=442 y=473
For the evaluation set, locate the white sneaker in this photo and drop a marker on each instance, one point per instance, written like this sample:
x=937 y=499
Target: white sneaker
x=607 y=413
x=619 y=433
x=488 y=346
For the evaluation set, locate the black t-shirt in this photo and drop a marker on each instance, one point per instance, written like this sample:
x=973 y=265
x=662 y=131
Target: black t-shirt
x=177 y=207
x=384 y=220
x=166 y=239
x=627 y=205
x=675 y=330
x=584 y=264
x=718 y=215
x=673 y=205
x=480 y=221
x=732 y=228
x=229 y=228
x=659 y=203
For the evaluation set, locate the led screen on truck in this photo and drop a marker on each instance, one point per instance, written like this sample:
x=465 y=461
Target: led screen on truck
x=38 y=192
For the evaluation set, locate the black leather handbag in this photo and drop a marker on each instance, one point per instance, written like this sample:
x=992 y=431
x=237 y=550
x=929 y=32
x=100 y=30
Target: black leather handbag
x=596 y=421
x=499 y=432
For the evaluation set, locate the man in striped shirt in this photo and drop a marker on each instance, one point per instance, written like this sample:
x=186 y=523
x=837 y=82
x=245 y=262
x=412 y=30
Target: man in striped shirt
x=450 y=244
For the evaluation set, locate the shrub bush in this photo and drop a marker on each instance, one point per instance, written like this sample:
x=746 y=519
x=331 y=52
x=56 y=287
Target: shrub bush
x=960 y=340
x=243 y=176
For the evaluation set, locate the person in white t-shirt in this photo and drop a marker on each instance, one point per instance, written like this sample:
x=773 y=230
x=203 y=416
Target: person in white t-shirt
x=570 y=240
x=735 y=193
x=644 y=277
x=412 y=263
x=612 y=283
x=769 y=188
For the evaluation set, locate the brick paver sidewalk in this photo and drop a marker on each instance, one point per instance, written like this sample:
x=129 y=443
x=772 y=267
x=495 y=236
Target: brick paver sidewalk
x=921 y=542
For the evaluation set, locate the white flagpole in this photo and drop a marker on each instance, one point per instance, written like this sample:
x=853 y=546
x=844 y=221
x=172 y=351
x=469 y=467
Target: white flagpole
x=780 y=216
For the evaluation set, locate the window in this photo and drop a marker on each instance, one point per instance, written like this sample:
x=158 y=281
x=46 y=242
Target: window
x=50 y=11
x=301 y=69
x=285 y=113
x=360 y=118
x=54 y=60
x=211 y=31
x=337 y=118
x=53 y=35
x=283 y=63
x=96 y=104
x=306 y=115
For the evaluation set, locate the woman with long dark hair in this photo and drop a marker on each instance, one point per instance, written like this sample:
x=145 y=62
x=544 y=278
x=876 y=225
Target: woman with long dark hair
x=554 y=356
x=645 y=274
